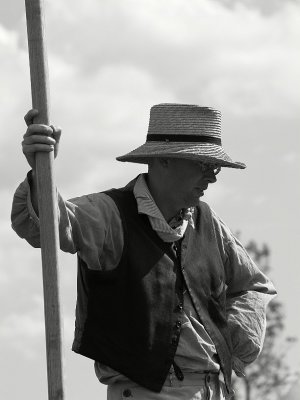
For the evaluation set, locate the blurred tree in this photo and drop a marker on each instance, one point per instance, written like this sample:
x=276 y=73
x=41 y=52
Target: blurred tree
x=269 y=374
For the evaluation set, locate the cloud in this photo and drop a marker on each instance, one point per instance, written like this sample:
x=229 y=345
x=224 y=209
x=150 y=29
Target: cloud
x=110 y=61
x=259 y=200
x=24 y=325
x=11 y=13
x=196 y=50
x=14 y=65
x=290 y=159
x=266 y=7
x=25 y=331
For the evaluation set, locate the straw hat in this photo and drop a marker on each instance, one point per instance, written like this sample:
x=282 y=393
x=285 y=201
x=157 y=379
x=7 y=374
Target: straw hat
x=183 y=131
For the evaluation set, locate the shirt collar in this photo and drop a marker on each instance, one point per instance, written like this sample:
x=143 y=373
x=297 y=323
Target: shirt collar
x=146 y=205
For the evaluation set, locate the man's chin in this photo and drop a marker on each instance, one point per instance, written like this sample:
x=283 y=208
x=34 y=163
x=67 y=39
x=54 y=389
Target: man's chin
x=196 y=199
x=200 y=194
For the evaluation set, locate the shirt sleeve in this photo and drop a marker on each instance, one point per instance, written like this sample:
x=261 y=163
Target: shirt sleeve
x=248 y=294
x=90 y=225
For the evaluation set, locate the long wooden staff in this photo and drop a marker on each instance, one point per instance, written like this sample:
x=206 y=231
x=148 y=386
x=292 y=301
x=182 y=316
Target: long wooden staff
x=47 y=202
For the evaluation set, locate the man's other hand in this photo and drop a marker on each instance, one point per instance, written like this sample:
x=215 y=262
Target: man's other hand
x=39 y=137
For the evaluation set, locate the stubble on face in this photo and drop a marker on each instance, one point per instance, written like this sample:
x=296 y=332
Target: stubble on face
x=187 y=181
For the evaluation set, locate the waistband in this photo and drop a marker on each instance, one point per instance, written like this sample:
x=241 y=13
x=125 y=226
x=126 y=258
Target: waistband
x=192 y=379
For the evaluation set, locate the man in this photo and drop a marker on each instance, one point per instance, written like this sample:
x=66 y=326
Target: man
x=168 y=299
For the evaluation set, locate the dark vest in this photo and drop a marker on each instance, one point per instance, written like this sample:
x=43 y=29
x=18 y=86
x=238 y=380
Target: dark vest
x=133 y=315
x=134 y=311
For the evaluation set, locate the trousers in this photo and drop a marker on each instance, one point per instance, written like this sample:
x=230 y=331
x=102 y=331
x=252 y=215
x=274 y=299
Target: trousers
x=195 y=386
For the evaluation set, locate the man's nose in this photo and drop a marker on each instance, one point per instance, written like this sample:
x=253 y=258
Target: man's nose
x=211 y=176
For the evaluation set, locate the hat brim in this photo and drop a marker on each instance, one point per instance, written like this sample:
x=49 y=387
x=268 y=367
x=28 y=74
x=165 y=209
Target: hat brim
x=206 y=152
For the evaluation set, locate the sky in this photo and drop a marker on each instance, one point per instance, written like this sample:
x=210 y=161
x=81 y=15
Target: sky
x=109 y=61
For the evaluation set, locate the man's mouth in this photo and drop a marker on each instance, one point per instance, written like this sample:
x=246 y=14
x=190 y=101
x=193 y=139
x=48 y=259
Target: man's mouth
x=202 y=189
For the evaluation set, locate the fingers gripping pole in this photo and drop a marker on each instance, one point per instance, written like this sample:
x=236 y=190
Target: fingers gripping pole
x=47 y=202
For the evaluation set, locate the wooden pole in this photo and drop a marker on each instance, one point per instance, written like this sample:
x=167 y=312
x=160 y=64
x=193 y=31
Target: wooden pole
x=47 y=201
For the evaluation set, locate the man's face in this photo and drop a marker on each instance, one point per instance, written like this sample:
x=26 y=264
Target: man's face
x=187 y=180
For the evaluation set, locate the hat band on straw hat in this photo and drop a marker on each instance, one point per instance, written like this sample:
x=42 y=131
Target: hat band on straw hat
x=183 y=131
x=183 y=138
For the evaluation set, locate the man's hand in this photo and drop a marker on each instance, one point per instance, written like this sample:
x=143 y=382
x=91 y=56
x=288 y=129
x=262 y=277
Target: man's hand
x=39 y=137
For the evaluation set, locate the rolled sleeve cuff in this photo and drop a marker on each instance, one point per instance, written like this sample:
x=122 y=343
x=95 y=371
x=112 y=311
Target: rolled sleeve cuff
x=238 y=366
x=32 y=214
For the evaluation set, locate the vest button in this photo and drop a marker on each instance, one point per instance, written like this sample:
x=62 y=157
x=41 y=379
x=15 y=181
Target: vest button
x=127 y=393
x=178 y=324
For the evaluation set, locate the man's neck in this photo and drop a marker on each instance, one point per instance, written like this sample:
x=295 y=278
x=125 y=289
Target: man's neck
x=163 y=199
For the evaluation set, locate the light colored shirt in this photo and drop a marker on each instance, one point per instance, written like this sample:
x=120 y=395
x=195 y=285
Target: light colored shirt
x=196 y=351
x=91 y=225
